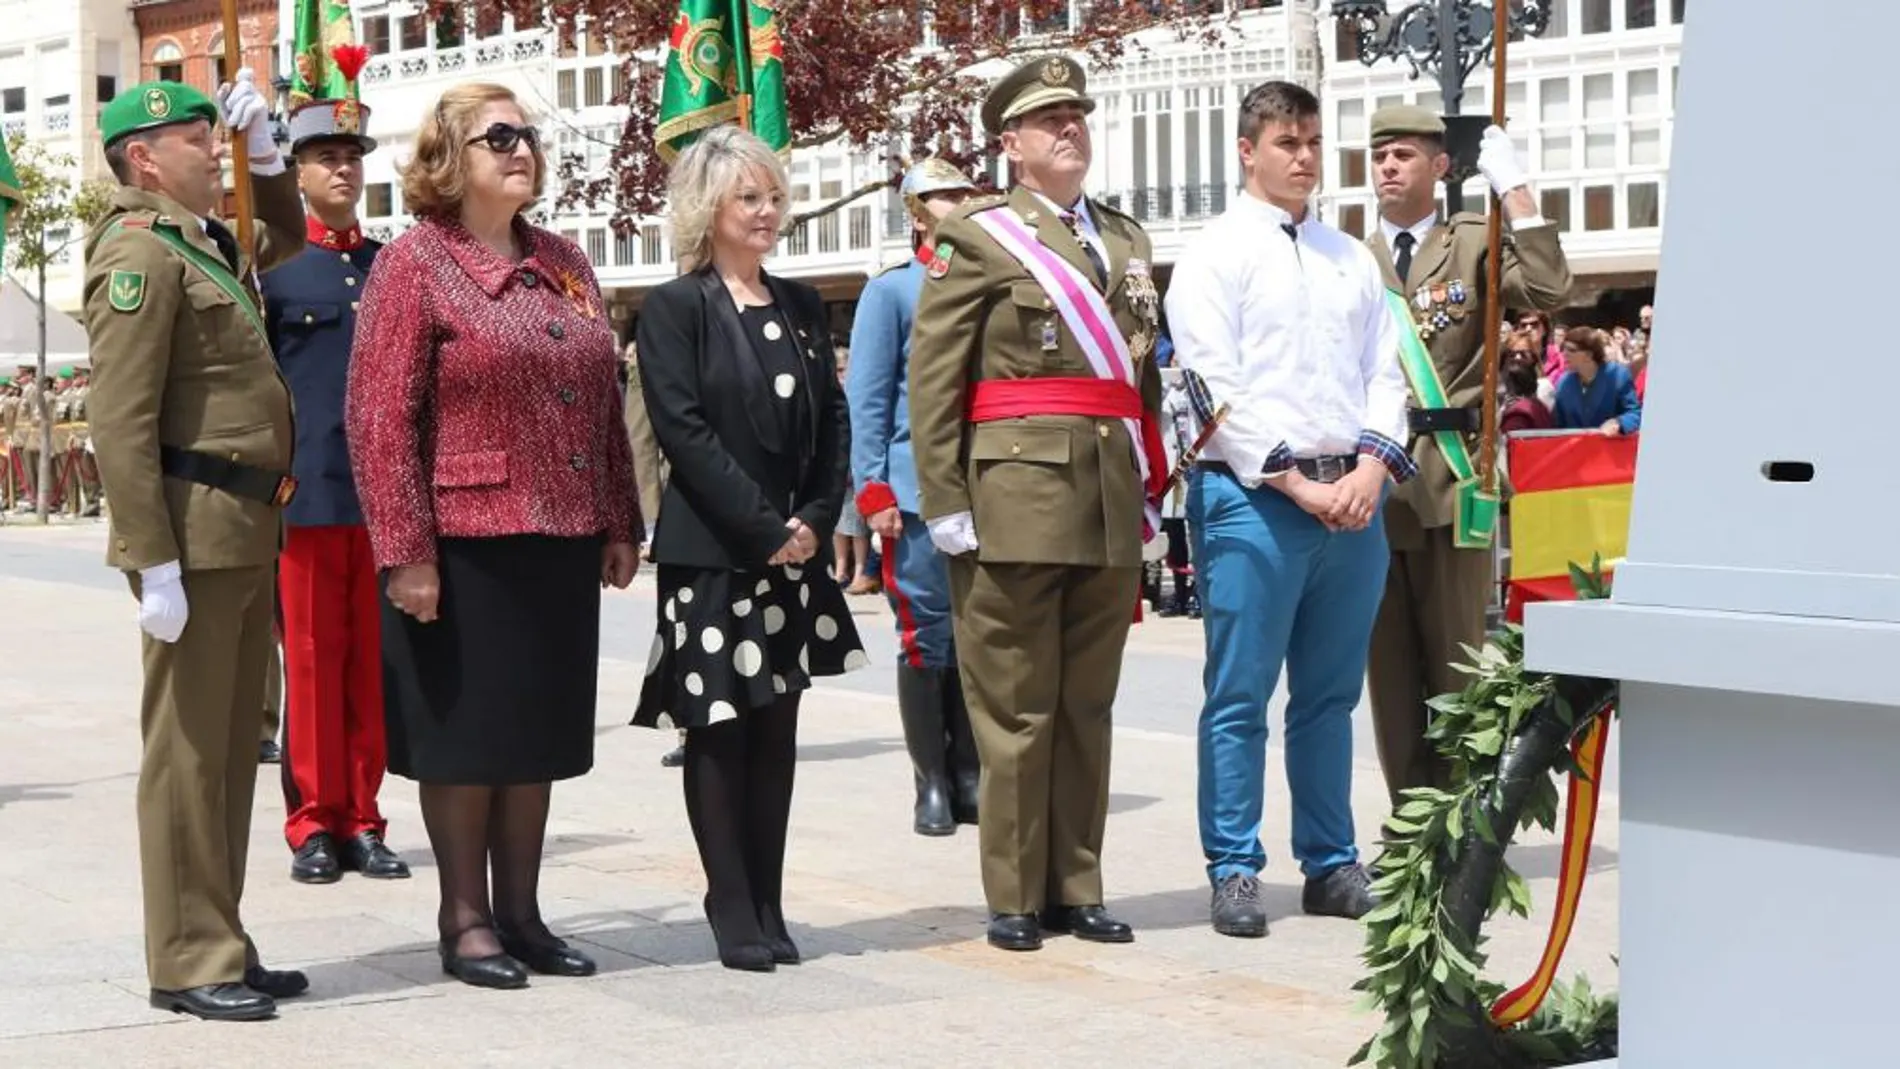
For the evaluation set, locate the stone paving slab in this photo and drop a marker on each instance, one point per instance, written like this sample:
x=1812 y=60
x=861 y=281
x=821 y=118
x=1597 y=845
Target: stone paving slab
x=897 y=973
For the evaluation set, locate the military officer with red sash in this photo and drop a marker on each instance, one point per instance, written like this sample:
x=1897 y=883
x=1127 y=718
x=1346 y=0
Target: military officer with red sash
x=334 y=750
x=1034 y=399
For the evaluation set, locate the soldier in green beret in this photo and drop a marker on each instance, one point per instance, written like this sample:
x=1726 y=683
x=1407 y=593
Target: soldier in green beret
x=1440 y=577
x=192 y=427
x=1033 y=404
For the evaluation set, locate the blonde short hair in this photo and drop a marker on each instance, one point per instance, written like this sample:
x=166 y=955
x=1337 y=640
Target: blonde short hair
x=436 y=177
x=703 y=177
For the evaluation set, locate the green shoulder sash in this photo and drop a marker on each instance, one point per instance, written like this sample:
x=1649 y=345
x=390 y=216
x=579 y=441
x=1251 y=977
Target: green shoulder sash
x=215 y=269
x=1475 y=512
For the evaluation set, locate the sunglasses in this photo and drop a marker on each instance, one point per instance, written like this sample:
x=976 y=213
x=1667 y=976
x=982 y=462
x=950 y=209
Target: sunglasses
x=503 y=137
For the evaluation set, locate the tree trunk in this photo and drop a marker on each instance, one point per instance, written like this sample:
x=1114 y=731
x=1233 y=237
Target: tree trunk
x=44 y=487
x=1467 y=892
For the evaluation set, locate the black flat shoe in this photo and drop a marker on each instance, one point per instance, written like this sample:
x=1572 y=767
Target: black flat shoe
x=366 y=854
x=217 y=1002
x=277 y=983
x=1090 y=923
x=498 y=971
x=316 y=861
x=746 y=957
x=549 y=959
x=269 y=753
x=1015 y=931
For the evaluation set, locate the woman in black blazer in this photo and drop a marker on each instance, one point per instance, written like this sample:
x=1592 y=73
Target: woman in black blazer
x=736 y=370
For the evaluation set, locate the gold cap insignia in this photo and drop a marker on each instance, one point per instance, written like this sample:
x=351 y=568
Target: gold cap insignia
x=1055 y=72
x=158 y=103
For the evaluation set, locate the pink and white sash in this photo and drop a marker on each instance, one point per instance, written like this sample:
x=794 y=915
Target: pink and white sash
x=1085 y=311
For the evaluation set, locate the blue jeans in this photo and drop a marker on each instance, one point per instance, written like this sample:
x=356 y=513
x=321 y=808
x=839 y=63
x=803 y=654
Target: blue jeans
x=1278 y=587
x=917 y=583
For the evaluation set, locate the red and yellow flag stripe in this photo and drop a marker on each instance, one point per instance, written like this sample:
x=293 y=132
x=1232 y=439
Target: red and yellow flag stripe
x=1571 y=504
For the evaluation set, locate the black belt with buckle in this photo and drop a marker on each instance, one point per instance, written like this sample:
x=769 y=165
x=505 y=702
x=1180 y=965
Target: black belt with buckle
x=1433 y=420
x=272 y=488
x=1327 y=469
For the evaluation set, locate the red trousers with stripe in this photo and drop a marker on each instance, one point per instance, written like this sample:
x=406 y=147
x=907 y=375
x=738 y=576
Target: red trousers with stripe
x=334 y=747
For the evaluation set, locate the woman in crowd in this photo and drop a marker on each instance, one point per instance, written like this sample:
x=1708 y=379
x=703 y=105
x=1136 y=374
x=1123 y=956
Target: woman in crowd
x=739 y=380
x=489 y=443
x=1524 y=408
x=1597 y=393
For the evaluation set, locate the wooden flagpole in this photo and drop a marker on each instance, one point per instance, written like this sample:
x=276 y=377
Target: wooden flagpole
x=240 y=148
x=1494 y=244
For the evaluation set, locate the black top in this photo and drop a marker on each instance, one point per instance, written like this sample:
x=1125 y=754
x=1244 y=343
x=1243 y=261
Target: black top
x=741 y=463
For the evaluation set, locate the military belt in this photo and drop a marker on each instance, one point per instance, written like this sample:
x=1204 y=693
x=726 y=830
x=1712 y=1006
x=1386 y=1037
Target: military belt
x=1434 y=420
x=275 y=489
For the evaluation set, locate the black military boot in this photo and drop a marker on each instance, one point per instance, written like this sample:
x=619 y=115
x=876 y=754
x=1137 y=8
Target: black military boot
x=920 y=702
x=1151 y=584
x=966 y=770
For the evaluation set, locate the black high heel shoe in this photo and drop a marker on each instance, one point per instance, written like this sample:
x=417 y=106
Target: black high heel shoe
x=778 y=939
x=747 y=957
x=498 y=971
x=554 y=958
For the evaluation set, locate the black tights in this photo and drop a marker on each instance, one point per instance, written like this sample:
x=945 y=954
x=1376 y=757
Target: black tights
x=738 y=780
x=470 y=828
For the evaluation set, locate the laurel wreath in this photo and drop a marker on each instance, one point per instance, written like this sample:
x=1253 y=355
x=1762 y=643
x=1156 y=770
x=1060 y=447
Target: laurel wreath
x=1441 y=873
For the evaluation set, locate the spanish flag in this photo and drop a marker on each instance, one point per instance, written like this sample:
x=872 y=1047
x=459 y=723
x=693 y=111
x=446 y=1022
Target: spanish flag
x=1570 y=504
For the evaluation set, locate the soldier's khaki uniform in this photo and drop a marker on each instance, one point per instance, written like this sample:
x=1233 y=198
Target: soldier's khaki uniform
x=1042 y=609
x=1435 y=593
x=26 y=441
x=187 y=368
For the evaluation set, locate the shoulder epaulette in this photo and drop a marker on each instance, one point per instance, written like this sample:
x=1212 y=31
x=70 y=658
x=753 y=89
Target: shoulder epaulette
x=979 y=203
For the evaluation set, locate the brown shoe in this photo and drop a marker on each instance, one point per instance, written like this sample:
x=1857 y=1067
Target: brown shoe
x=864 y=584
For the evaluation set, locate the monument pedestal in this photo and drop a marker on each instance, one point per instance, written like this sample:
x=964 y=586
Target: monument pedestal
x=1756 y=622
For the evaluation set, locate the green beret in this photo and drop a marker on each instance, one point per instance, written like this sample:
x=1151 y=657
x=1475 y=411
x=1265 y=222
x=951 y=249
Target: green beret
x=1036 y=84
x=1405 y=120
x=65 y=373
x=154 y=104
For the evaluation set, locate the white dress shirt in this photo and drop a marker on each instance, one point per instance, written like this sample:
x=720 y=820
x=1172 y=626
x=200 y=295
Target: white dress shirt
x=1293 y=333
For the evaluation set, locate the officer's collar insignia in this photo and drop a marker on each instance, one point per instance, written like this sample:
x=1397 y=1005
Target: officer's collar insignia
x=158 y=103
x=126 y=290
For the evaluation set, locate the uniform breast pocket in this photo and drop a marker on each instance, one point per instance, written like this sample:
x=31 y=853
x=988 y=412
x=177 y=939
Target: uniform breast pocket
x=205 y=295
x=1042 y=329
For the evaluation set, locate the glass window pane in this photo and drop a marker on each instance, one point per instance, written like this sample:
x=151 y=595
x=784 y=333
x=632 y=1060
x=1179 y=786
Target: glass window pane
x=1639 y=14
x=1557 y=153
x=1596 y=16
x=1431 y=100
x=1599 y=96
x=1599 y=149
x=1352 y=168
x=1555 y=204
x=1675 y=10
x=1474 y=100
x=1514 y=97
x=1559 y=21
x=1645 y=204
x=1352 y=121
x=1553 y=98
x=597 y=247
x=1646 y=148
x=1352 y=219
x=1645 y=90
x=1599 y=208
x=564 y=89
x=594 y=79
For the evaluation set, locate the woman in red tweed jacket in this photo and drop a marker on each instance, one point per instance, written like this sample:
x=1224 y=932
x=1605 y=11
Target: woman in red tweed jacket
x=489 y=445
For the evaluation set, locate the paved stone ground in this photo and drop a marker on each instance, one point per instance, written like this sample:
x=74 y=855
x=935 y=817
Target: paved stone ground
x=898 y=974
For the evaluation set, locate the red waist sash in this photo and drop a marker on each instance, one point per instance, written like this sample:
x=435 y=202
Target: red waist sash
x=994 y=399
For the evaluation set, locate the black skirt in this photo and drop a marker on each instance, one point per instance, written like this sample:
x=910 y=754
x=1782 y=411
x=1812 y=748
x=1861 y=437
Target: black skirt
x=500 y=688
x=731 y=642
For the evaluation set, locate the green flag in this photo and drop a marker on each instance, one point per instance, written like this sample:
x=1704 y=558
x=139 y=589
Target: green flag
x=724 y=64
x=9 y=194
x=327 y=58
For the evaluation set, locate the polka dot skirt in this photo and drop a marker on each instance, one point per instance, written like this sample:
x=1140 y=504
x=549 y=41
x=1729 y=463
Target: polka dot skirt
x=728 y=642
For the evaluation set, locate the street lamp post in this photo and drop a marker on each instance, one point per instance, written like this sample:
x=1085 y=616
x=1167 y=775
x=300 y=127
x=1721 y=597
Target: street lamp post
x=1449 y=38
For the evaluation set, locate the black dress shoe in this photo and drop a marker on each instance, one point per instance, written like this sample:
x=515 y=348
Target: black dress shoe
x=268 y=753
x=498 y=971
x=315 y=861
x=549 y=959
x=673 y=758
x=217 y=1002
x=1091 y=923
x=367 y=854
x=277 y=983
x=1015 y=931
x=1343 y=892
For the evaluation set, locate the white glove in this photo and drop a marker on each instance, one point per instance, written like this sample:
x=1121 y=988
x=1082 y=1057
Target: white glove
x=162 y=608
x=245 y=110
x=1497 y=159
x=953 y=534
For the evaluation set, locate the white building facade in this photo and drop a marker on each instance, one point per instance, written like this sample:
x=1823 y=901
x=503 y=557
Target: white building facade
x=59 y=64
x=1590 y=104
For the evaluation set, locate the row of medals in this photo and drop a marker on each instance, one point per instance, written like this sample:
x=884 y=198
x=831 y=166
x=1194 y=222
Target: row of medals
x=1143 y=299
x=1439 y=305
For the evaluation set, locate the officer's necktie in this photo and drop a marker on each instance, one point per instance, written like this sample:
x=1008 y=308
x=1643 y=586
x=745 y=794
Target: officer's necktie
x=1074 y=223
x=224 y=241
x=1403 y=263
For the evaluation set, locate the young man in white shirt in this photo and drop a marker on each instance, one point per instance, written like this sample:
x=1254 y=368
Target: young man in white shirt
x=1284 y=318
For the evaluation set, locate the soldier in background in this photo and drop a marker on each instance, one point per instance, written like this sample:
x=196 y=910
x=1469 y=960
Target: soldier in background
x=1441 y=573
